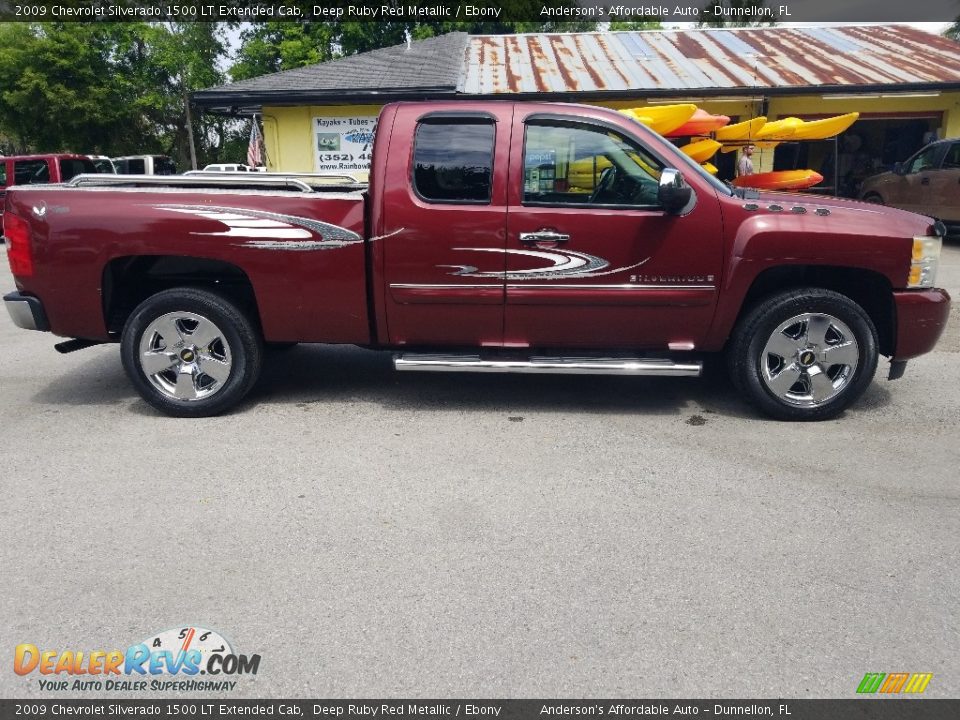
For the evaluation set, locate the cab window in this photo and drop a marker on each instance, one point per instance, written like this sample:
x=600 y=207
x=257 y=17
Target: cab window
x=70 y=168
x=453 y=160
x=26 y=172
x=952 y=160
x=567 y=164
x=925 y=160
x=3 y=173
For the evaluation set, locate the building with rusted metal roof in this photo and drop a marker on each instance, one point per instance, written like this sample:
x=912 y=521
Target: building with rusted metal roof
x=904 y=82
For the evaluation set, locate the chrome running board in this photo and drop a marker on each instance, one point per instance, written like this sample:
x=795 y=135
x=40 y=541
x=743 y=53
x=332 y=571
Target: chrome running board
x=546 y=365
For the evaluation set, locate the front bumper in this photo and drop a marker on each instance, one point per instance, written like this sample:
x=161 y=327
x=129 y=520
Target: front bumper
x=26 y=311
x=921 y=318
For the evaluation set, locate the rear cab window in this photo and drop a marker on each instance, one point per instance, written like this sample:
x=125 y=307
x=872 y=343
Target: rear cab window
x=163 y=165
x=453 y=160
x=30 y=172
x=71 y=167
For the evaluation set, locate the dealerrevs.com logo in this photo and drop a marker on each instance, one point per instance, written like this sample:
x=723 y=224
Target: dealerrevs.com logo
x=893 y=683
x=168 y=661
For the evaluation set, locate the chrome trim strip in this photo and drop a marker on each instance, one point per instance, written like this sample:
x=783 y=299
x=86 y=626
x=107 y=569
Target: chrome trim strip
x=546 y=365
x=441 y=286
x=552 y=286
x=627 y=286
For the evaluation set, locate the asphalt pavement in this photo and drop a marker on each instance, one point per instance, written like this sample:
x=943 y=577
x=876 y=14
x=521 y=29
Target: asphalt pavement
x=373 y=534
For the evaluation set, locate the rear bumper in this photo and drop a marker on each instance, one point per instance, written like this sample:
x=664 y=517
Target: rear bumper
x=26 y=311
x=921 y=318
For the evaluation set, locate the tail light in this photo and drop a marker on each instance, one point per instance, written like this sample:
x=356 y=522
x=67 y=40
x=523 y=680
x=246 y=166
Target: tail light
x=17 y=232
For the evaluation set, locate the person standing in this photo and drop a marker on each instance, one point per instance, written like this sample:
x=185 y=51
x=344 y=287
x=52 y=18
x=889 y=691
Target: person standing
x=745 y=166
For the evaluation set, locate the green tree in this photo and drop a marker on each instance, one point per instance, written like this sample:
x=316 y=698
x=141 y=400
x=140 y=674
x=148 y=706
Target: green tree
x=650 y=24
x=57 y=90
x=108 y=88
x=953 y=32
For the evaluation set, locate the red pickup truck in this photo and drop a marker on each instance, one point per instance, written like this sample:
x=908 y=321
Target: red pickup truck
x=493 y=237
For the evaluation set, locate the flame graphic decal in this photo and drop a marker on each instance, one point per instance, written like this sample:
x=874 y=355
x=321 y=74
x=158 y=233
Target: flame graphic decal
x=566 y=264
x=270 y=231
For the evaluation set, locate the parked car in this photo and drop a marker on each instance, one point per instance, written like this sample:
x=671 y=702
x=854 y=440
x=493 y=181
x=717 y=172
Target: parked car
x=494 y=237
x=927 y=183
x=145 y=165
x=229 y=167
x=103 y=164
x=33 y=169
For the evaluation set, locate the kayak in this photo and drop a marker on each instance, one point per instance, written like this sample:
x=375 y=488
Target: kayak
x=700 y=123
x=780 y=180
x=826 y=128
x=662 y=118
x=779 y=129
x=701 y=150
x=710 y=168
x=745 y=130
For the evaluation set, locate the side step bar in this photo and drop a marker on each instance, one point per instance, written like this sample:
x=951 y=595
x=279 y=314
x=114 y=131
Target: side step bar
x=547 y=365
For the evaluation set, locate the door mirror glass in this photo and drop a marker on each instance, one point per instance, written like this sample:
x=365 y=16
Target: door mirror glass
x=675 y=196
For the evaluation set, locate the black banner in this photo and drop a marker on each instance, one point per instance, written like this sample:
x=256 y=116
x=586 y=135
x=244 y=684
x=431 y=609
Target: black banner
x=472 y=11
x=191 y=709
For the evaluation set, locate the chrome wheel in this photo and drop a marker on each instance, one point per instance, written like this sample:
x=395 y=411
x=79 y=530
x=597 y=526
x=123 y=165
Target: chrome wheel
x=809 y=359
x=185 y=356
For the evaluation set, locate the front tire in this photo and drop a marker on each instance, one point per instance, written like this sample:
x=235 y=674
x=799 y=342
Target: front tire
x=806 y=354
x=190 y=353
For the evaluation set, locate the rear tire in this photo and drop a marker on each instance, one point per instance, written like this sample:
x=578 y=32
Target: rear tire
x=873 y=198
x=805 y=354
x=190 y=353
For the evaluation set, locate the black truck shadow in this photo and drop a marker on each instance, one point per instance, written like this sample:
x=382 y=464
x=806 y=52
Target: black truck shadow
x=310 y=374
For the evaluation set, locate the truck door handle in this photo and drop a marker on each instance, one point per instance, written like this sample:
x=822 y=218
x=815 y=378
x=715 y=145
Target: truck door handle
x=925 y=181
x=543 y=235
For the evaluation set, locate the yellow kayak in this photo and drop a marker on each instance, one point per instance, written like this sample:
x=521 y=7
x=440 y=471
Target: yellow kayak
x=741 y=131
x=662 y=118
x=826 y=128
x=700 y=150
x=779 y=129
x=712 y=169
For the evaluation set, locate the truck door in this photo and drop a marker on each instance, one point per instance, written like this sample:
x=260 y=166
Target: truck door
x=946 y=187
x=592 y=258
x=914 y=191
x=444 y=226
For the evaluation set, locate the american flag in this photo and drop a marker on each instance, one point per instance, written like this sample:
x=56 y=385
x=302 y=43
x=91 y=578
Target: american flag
x=255 y=148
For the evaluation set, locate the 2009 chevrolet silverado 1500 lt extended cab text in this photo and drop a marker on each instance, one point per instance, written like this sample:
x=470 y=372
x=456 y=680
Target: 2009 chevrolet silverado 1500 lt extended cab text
x=493 y=236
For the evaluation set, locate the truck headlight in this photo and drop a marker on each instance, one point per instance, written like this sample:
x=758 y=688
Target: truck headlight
x=924 y=261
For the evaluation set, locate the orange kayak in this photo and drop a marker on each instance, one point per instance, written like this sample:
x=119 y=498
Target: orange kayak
x=700 y=123
x=780 y=180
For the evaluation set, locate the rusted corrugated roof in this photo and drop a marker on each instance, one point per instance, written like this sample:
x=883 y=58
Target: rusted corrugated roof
x=709 y=59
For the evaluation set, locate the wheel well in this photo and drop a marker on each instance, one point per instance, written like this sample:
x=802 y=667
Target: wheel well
x=870 y=290
x=128 y=281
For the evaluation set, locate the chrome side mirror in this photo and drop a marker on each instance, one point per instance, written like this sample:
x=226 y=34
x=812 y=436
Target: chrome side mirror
x=675 y=196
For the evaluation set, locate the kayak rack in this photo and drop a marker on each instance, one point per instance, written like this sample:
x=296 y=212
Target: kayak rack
x=210 y=180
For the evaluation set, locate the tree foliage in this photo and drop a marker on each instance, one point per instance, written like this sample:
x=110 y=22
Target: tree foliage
x=108 y=88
